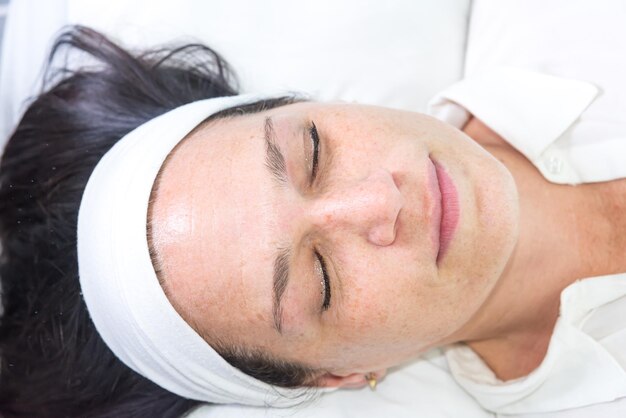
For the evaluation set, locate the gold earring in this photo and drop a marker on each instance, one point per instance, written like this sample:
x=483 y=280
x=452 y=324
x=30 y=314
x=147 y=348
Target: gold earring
x=371 y=379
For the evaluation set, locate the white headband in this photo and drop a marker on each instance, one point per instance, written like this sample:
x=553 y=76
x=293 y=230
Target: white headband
x=119 y=284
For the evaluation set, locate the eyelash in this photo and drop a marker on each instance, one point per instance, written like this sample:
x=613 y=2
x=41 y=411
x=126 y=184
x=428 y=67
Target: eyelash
x=325 y=283
x=315 y=139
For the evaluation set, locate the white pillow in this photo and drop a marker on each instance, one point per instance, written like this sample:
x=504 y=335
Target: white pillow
x=396 y=54
x=23 y=54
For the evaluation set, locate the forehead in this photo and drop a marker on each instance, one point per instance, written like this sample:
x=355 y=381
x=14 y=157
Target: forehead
x=211 y=224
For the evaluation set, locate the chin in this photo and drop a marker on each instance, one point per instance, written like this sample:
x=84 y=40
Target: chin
x=501 y=219
x=498 y=221
x=508 y=216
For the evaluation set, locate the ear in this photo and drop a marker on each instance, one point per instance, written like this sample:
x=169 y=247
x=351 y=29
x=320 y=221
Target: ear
x=347 y=381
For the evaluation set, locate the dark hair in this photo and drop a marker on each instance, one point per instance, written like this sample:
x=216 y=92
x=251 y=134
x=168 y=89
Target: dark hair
x=53 y=362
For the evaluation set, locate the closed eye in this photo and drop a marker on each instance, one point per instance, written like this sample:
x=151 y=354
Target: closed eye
x=321 y=265
x=325 y=282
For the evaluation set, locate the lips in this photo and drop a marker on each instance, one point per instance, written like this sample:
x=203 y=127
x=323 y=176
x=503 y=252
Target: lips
x=449 y=210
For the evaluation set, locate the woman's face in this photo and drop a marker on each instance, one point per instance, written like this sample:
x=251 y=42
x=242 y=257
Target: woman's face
x=347 y=239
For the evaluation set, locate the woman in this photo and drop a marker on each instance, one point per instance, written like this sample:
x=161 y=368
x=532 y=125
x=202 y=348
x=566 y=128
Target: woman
x=311 y=245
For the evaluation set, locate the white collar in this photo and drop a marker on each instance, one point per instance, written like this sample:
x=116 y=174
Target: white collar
x=577 y=371
x=529 y=109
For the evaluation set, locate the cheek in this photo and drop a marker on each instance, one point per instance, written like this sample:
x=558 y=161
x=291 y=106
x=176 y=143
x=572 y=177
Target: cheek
x=359 y=143
x=378 y=298
x=385 y=302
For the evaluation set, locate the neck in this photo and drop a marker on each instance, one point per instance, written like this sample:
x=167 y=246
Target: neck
x=566 y=234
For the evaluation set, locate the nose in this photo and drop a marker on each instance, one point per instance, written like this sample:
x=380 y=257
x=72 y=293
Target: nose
x=369 y=207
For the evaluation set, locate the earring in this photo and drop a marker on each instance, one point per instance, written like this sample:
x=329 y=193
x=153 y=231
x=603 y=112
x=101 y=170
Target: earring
x=371 y=379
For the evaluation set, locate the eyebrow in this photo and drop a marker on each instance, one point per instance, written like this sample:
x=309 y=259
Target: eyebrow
x=281 y=279
x=275 y=163
x=274 y=158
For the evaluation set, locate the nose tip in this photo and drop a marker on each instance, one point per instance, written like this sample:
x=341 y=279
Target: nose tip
x=382 y=235
x=387 y=201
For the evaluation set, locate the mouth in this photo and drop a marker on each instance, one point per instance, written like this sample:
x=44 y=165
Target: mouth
x=448 y=210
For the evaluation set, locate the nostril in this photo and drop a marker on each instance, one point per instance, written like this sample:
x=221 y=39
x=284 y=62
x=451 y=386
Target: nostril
x=398 y=179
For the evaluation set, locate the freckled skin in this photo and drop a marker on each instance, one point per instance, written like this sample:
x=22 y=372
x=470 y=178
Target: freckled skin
x=369 y=215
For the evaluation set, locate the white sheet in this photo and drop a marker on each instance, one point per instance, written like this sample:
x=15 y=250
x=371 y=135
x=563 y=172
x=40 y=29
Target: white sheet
x=421 y=389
